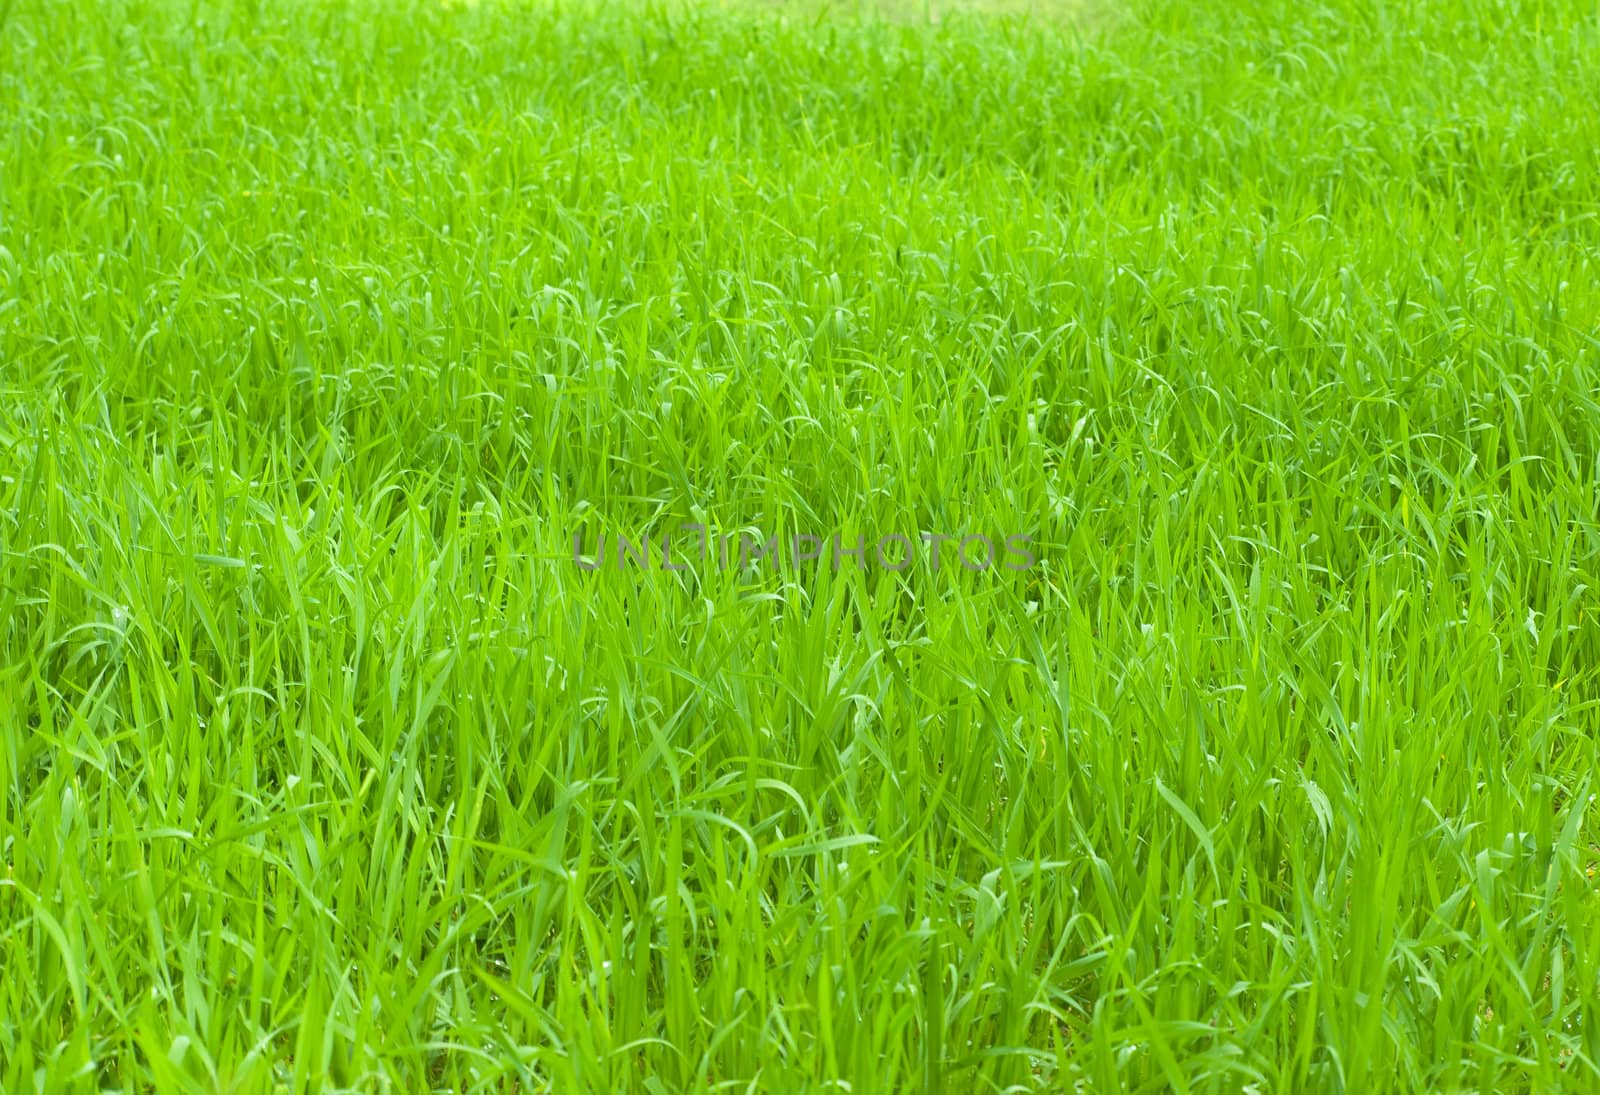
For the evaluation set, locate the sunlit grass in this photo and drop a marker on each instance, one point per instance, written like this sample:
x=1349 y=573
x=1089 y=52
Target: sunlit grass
x=325 y=328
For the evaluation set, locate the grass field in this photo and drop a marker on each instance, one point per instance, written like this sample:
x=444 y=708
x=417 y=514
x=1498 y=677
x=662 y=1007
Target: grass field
x=328 y=330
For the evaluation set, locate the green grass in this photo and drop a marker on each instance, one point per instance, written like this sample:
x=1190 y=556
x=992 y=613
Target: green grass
x=325 y=327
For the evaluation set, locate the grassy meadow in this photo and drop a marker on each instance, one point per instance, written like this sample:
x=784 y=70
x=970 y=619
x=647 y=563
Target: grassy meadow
x=326 y=330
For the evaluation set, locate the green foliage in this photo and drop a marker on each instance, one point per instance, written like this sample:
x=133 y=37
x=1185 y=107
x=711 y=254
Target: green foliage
x=325 y=327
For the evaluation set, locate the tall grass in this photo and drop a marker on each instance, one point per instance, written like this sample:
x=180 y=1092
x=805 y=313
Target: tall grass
x=325 y=328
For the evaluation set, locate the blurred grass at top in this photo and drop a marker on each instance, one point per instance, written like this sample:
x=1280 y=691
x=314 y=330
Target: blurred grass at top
x=325 y=327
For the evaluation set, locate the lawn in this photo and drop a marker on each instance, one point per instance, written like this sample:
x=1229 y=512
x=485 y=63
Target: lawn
x=781 y=547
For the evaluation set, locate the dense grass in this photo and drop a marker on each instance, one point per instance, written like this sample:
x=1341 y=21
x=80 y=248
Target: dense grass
x=324 y=328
